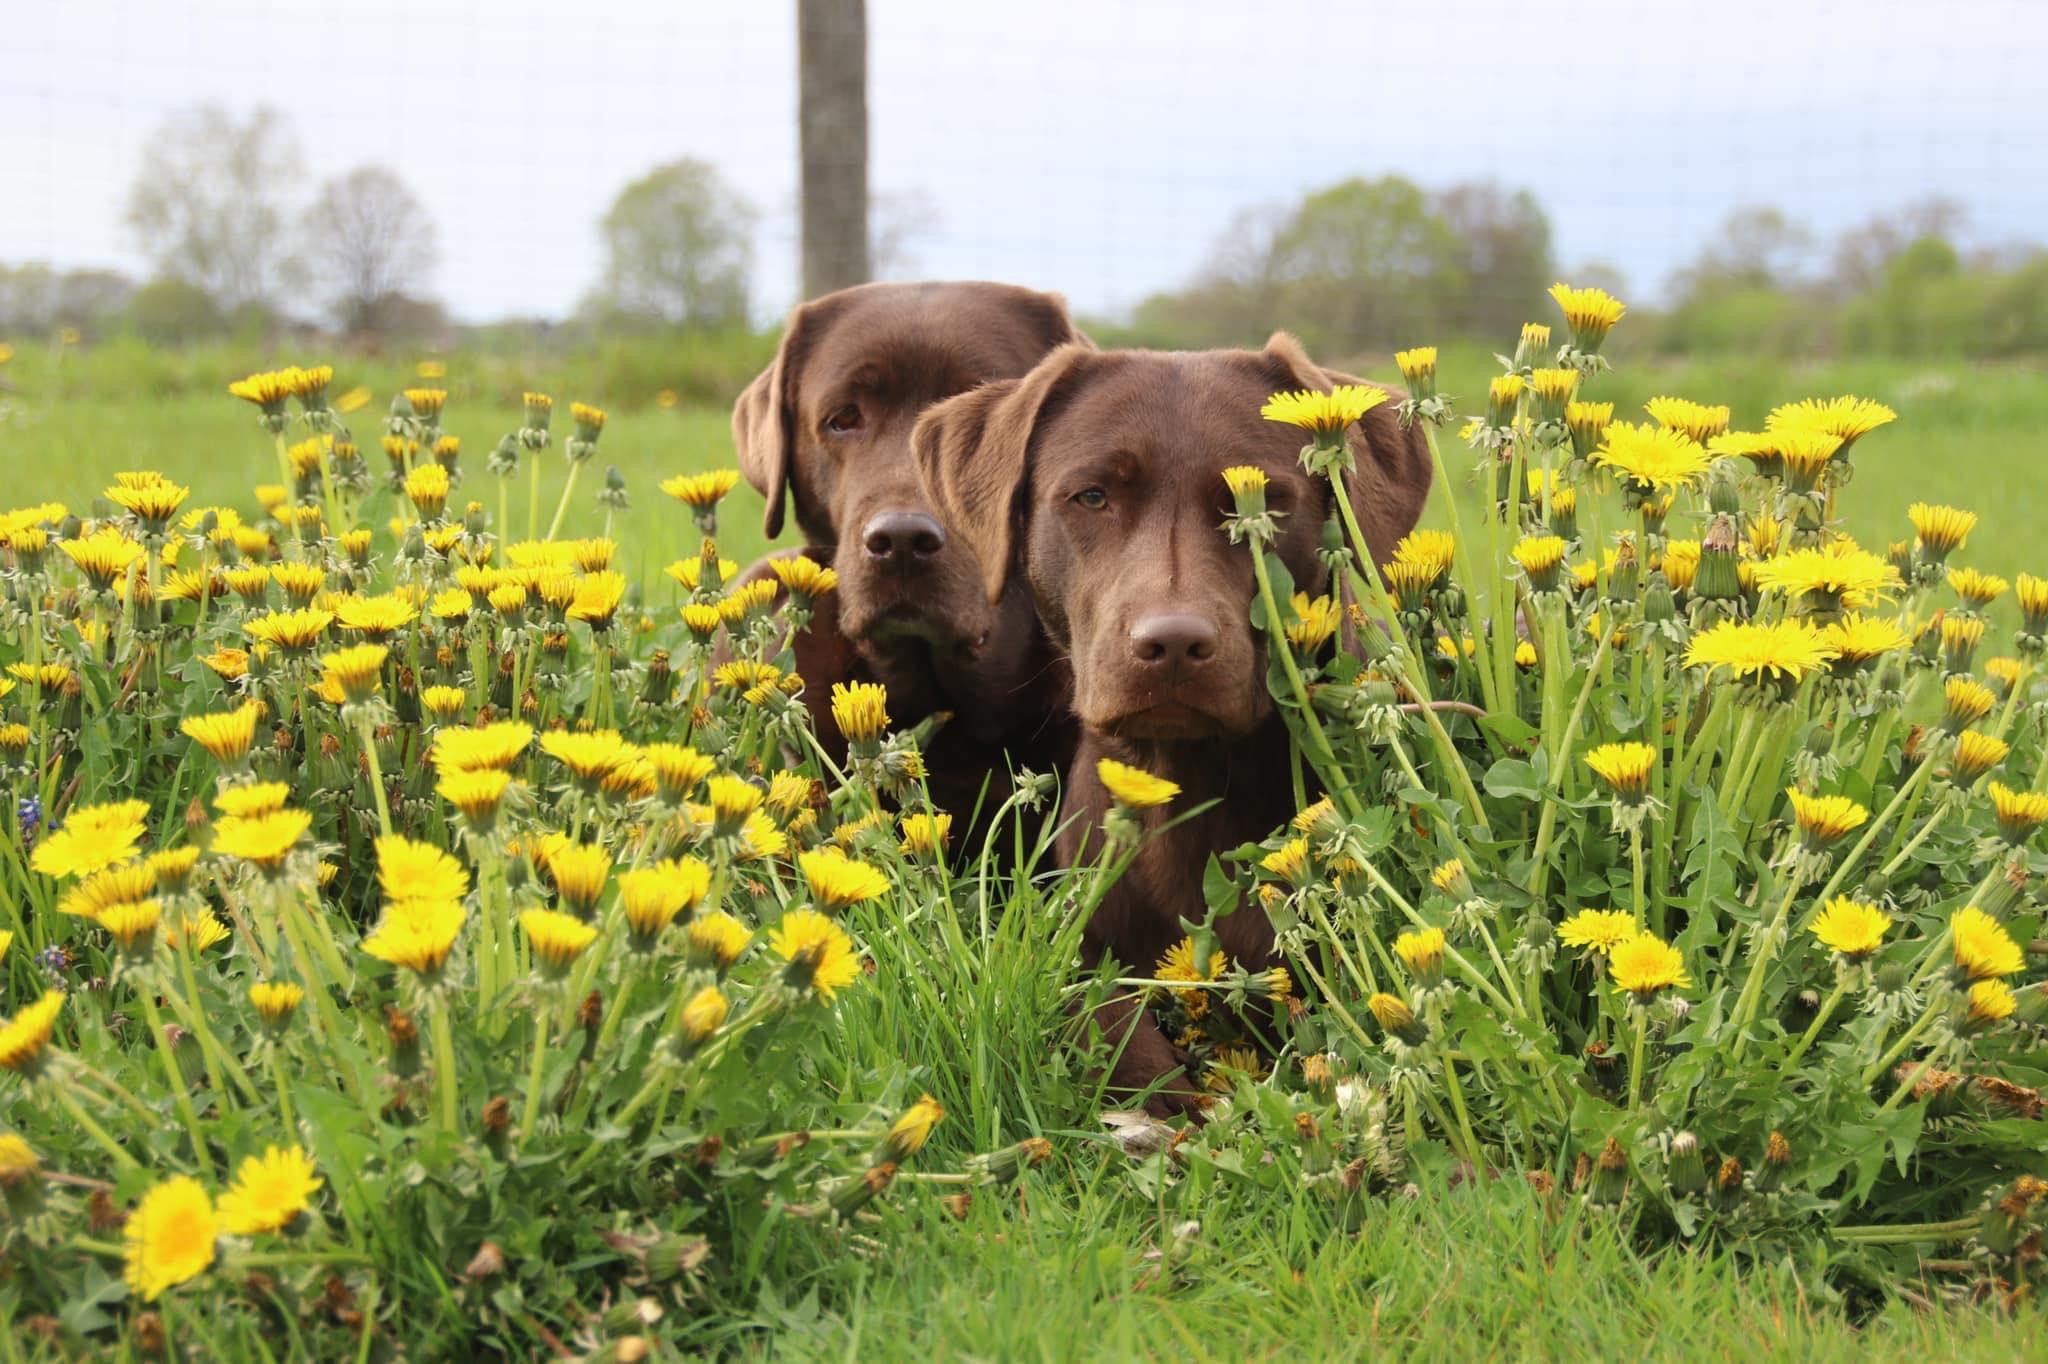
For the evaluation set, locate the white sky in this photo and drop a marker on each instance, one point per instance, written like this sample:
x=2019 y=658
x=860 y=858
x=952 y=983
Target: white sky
x=1097 y=148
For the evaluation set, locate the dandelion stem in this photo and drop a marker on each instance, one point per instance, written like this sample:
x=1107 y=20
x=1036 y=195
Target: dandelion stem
x=562 y=507
x=1760 y=961
x=1539 y=871
x=181 y=1093
x=1906 y=1039
x=446 y=1078
x=69 y=1102
x=1637 y=1059
x=1820 y=1020
x=1325 y=754
x=369 y=739
x=282 y=1084
x=531 y=1117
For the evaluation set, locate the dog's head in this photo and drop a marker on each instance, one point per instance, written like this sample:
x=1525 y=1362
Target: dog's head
x=827 y=428
x=1098 y=476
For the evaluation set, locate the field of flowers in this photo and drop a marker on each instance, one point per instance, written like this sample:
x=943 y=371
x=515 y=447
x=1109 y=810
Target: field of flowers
x=423 y=936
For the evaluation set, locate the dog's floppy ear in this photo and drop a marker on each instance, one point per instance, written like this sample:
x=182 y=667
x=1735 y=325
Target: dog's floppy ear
x=1391 y=486
x=973 y=456
x=764 y=417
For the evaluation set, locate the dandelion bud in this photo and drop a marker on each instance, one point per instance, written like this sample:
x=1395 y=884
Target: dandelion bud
x=497 y=1123
x=539 y=410
x=856 y=1194
x=1316 y=1073
x=403 y=1032
x=1247 y=485
x=702 y=1016
x=1587 y=424
x=1777 y=1159
x=504 y=460
x=1610 y=1175
x=1718 y=578
x=1393 y=1014
x=1685 y=1167
x=1728 y=1188
x=21 y=1183
x=1625 y=572
x=1418 y=372
x=2031 y=1005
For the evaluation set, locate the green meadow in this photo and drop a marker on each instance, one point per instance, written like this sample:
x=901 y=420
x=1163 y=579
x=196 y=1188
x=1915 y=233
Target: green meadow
x=1084 y=1259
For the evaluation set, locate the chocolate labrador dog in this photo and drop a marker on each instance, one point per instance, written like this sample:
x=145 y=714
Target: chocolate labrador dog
x=826 y=429
x=1097 y=478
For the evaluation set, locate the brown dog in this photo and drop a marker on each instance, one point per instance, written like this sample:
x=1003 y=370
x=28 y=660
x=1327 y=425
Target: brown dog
x=1098 y=478
x=827 y=428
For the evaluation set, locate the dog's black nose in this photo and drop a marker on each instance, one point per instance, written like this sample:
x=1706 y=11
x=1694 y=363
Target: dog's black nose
x=902 y=539
x=1173 y=637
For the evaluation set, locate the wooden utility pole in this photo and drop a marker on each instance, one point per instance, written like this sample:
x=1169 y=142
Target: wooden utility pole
x=832 y=121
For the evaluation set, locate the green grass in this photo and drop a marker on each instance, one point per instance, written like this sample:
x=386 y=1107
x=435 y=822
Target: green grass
x=1084 y=1260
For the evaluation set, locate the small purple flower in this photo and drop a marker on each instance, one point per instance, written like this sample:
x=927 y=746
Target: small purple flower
x=55 y=959
x=30 y=813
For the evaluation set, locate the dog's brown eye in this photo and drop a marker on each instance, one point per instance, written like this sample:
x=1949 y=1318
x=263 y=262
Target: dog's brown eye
x=844 y=420
x=1094 y=499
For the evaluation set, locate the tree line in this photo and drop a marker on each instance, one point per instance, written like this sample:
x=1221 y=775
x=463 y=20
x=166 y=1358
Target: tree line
x=234 y=240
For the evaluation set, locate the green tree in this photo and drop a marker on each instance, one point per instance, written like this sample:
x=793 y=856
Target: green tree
x=678 y=251
x=209 y=206
x=371 y=243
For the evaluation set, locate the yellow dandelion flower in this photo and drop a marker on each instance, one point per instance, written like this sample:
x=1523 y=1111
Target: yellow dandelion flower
x=1323 y=414
x=1134 y=787
x=269 y=1191
x=1416 y=365
x=1624 y=767
x=476 y=793
x=1591 y=313
x=1857 y=639
x=653 y=897
x=1554 y=387
x=261 y=840
x=1245 y=480
x=588 y=757
x=820 y=955
x=355 y=672
x=172 y=867
x=1990 y=1001
x=1597 y=930
x=132 y=926
x=103 y=556
x=703 y=1014
x=1980 y=946
x=24 y=1037
x=1433 y=548
x=495 y=746
x=1697 y=420
x=689 y=572
x=276 y=1000
x=1315 y=621
x=417 y=935
x=925 y=833
x=2019 y=813
x=1977 y=588
x=717 y=939
x=260 y=798
x=1785 y=649
x=598 y=598
x=1844 y=418
x=1825 y=819
x=908 y=1134
x=1289 y=861
x=1422 y=951
x=1839 y=573
x=1804 y=451
x=1651 y=457
x=375 y=617
x=1966 y=701
x=408 y=869
x=170 y=1237
x=838 y=881
x=91 y=837
x=295 y=632
x=153 y=503
x=1644 y=964
x=202 y=931
x=1393 y=1014
x=579 y=870
x=703 y=490
x=1941 y=528
x=1976 y=754
x=861 y=710
x=557 y=939
x=444 y=702
x=1850 y=928
x=802 y=576
x=677 y=770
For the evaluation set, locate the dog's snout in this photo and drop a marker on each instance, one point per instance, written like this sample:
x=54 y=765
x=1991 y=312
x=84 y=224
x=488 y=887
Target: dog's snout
x=1169 y=637
x=902 y=539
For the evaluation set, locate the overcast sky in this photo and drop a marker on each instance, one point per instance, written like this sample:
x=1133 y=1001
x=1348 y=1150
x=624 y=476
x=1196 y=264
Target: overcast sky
x=1097 y=148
